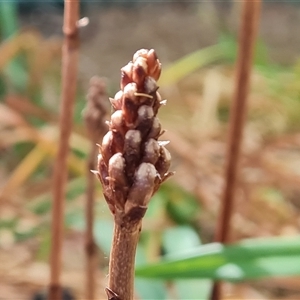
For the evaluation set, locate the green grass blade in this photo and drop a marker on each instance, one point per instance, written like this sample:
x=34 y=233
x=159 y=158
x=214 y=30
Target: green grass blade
x=8 y=18
x=189 y=63
x=249 y=259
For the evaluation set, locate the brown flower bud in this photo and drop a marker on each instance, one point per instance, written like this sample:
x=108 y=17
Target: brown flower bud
x=140 y=53
x=117 y=122
x=155 y=71
x=116 y=102
x=144 y=119
x=117 y=179
x=118 y=141
x=106 y=147
x=139 y=72
x=126 y=75
x=152 y=58
x=130 y=91
x=155 y=129
x=132 y=149
x=163 y=164
x=151 y=152
x=129 y=105
x=142 y=188
x=150 y=85
x=116 y=168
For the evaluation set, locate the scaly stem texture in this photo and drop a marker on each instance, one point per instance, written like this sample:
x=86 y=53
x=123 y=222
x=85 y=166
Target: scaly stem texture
x=248 y=31
x=69 y=80
x=122 y=258
x=132 y=164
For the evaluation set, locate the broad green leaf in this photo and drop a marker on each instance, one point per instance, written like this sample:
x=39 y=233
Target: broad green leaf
x=180 y=238
x=103 y=234
x=8 y=18
x=193 y=288
x=248 y=259
x=150 y=289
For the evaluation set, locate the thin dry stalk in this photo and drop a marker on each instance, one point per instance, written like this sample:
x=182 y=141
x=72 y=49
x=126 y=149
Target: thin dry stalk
x=248 y=31
x=94 y=119
x=90 y=244
x=132 y=164
x=69 y=81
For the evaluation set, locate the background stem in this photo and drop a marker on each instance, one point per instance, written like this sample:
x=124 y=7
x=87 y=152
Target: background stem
x=248 y=31
x=122 y=259
x=90 y=245
x=69 y=81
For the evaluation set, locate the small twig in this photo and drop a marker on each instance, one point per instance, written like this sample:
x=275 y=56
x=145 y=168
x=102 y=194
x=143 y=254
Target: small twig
x=69 y=81
x=94 y=114
x=248 y=31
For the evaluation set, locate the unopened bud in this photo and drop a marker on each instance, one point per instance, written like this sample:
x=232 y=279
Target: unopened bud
x=126 y=75
x=150 y=85
x=106 y=147
x=116 y=102
x=145 y=119
x=163 y=164
x=102 y=170
x=117 y=179
x=139 y=72
x=140 y=53
x=151 y=58
x=156 y=71
x=130 y=91
x=117 y=122
x=129 y=105
x=151 y=153
x=116 y=168
x=142 y=188
x=118 y=141
x=155 y=129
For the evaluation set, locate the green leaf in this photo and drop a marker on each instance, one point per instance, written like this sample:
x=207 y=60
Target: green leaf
x=181 y=205
x=193 y=288
x=103 y=234
x=248 y=259
x=8 y=18
x=189 y=63
x=180 y=238
x=150 y=289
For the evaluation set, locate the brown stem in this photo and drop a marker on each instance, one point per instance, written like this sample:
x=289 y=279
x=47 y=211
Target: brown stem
x=90 y=245
x=248 y=30
x=122 y=259
x=69 y=80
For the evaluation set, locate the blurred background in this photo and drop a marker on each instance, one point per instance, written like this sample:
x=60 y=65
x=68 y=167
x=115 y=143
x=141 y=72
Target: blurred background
x=197 y=45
